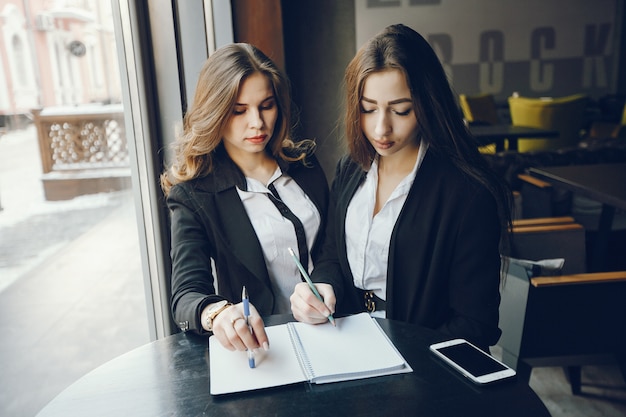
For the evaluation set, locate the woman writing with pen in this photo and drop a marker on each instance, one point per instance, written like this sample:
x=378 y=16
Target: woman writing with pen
x=416 y=219
x=240 y=191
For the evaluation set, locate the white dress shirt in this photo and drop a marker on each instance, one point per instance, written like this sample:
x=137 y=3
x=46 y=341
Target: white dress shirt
x=368 y=236
x=276 y=233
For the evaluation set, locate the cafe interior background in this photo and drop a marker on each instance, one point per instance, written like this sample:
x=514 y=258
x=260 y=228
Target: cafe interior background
x=77 y=287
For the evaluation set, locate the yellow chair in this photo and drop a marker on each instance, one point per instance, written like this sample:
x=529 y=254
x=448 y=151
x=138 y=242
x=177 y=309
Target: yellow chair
x=480 y=109
x=564 y=114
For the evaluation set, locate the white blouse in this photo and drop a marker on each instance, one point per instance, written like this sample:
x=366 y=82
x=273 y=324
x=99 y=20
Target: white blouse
x=276 y=233
x=368 y=236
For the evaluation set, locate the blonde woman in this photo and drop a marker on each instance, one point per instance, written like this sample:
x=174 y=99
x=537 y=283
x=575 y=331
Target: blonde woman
x=237 y=183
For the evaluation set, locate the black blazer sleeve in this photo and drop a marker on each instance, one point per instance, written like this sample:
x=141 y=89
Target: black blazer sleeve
x=192 y=277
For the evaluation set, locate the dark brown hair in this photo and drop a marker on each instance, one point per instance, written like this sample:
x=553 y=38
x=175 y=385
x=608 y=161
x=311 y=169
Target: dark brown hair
x=438 y=113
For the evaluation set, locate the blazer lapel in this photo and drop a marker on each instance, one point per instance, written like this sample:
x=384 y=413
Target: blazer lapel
x=240 y=235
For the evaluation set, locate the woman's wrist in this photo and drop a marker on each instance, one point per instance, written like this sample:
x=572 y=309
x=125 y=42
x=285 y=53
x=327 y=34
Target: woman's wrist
x=210 y=313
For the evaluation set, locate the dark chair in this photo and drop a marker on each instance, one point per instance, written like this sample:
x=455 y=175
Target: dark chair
x=540 y=199
x=569 y=321
x=566 y=320
x=549 y=238
x=603 y=129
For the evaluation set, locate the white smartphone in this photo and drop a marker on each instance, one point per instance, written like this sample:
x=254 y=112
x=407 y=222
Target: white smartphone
x=477 y=365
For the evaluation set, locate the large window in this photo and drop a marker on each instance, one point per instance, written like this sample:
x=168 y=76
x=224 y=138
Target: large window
x=73 y=291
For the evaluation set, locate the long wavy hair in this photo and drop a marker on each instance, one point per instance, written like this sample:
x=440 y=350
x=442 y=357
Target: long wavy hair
x=218 y=86
x=438 y=113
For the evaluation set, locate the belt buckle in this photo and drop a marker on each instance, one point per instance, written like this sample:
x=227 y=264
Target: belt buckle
x=370 y=303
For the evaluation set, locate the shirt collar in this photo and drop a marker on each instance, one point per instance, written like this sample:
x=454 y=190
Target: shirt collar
x=257 y=187
x=226 y=174
x=372 y=173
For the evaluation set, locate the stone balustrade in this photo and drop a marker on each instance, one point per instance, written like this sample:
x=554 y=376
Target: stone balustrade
x=83 y=150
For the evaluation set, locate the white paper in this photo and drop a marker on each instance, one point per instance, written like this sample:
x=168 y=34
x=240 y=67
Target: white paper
x=356 y=348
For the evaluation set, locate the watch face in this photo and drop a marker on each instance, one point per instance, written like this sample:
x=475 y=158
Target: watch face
x=218 y=305
x=214 y=311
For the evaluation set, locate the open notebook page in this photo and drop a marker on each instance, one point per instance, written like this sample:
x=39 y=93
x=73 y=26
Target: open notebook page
x=356 y=348
x=278 y=366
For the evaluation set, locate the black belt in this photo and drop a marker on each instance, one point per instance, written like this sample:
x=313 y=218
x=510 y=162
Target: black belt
x=373 y=302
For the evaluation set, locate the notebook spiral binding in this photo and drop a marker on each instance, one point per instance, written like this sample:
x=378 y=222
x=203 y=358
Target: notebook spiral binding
x=303 y=359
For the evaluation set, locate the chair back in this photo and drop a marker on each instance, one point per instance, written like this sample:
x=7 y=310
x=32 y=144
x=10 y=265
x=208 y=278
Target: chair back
x=572 y=320
x=566 y=320
x=564 y=114
x=542 y=240
x=480 y=109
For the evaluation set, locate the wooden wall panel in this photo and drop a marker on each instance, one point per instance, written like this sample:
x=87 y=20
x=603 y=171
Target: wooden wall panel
x=260 y=23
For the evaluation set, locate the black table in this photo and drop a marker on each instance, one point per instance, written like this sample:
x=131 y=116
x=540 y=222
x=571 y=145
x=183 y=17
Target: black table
x=605 y=183
x=170 y=377
x=487 y=134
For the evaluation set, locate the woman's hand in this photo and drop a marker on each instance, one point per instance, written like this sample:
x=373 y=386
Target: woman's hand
x=307 y=308
x=230 y=329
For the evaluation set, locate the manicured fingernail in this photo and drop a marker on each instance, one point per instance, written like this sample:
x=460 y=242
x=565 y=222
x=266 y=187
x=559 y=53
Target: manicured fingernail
x=266 y=346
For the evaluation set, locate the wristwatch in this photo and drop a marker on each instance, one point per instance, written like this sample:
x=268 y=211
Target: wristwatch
x=214 y=310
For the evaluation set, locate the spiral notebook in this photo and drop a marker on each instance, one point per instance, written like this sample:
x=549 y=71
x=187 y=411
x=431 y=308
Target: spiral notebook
x=299 y=352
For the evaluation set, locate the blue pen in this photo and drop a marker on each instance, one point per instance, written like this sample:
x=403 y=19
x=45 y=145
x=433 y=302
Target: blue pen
x=246 y=314
x=307 y=278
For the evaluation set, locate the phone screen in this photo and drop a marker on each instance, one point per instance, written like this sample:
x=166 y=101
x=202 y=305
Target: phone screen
x=474 y=361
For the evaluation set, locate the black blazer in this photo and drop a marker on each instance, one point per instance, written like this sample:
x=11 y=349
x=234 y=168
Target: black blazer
x=444 y=263
x=209 y=224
